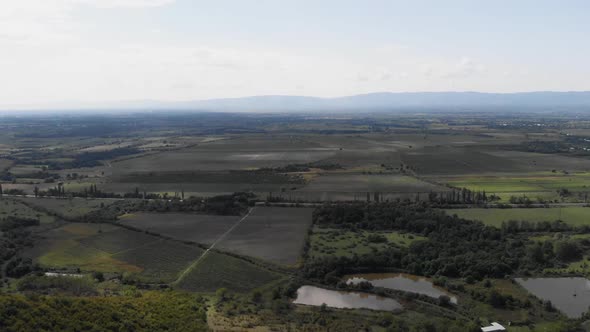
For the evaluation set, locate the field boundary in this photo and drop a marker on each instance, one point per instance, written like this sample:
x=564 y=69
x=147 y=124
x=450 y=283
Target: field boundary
x=221 y=237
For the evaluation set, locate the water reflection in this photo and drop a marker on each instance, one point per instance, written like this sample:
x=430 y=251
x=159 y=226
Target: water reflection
x=311 y=295
x=569 y=295
x=403 y=282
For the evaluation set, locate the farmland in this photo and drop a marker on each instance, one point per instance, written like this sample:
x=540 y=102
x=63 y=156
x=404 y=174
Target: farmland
x=69 y=208
x=161 y=261
x=107 y=248
x=217 y=271
x=326 y=197
x=197 y=228
x=14 y=208
x=572 y=215
x=271 y=233
x=533 y=185
x=334 y=242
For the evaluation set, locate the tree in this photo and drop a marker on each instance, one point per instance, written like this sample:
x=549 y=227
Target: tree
x=221 y=294
x=444 y=300
x=568 y=251
x=98 y=276
x=36 y=191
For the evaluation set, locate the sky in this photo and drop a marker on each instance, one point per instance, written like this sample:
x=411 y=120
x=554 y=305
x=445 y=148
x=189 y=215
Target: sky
x=88 y=51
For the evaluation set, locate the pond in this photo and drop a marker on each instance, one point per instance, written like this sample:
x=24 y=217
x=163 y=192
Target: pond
x=569 y=295
x=311 y=295
x=403 y=282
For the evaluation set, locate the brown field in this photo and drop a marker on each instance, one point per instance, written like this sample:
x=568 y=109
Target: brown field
x=271 y=233
x=198 y=228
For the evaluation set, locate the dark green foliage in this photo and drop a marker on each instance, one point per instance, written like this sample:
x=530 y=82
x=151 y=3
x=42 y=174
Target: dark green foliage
x=568 y=251
x=455 y=247
x=234 y=204
x=154 y=311
x=377 y=238
x=61 y=284
x=14 y=236
x=223 y=271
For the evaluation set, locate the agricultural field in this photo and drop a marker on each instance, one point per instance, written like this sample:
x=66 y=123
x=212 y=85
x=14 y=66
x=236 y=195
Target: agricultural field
x=317 y=161
x=467 y=160
x=217 y=271
x=5 y=163
x=246 y=153
x=572 y=215
x=340 y=243
x=108 y=248
x=69 y=208
x=161 y=261
x=62 y=248
x=12 y=207
x=271 y=233
x=541 y=184
x=197 y=228
x=363 y=183
x=202 y=183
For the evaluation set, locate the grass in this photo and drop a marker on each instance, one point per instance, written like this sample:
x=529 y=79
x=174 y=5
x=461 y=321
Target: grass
x=362 y=183
x=486 y=312
x=572 y=215
x=108 y=248
x=334 y=242
x=538 y=184
x=218 y=270
x=70 y=208
x=11 y=207
x=581 y=267
x=118 y=240
x=162 y=261
x=63 y=248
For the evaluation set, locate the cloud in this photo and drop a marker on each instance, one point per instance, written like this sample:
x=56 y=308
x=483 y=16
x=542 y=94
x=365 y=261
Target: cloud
x=465 y=67
x=52 y=21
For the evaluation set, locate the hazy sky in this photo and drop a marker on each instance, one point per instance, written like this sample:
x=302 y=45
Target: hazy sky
x=108 y=50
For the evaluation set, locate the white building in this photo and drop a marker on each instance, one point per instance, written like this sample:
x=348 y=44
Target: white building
x=492 y=328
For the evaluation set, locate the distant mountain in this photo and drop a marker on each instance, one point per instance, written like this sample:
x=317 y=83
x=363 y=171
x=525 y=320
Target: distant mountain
x=372 y=102
x=458 y=101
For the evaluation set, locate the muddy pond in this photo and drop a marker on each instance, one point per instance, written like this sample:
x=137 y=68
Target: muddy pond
x=311 y=295
x=403 y=282
x=568 y=295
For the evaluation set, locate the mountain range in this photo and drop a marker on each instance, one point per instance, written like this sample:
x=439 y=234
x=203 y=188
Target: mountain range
x=372 y=102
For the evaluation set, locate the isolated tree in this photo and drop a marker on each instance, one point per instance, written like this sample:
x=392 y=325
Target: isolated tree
x=0 y=190
x=36 y=190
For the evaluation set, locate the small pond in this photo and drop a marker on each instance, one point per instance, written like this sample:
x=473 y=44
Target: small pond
x=311 y=295
x=403 y=282
x=568 y=295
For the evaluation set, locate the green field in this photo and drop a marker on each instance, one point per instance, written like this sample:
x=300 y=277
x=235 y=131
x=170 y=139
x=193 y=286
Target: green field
x=572 y=215
x=69 y=208
x=218 y=270
x=108 y=248
x=161 y=261
x=539 y=184
x=334 y=242
x=12 y=207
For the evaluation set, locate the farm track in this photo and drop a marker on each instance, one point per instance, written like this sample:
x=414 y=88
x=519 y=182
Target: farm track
x=221 y=237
